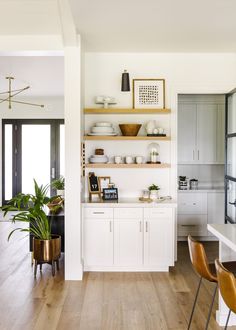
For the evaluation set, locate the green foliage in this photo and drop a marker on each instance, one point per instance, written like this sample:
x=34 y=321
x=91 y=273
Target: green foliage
x=59 y=183
x=153 y=187
x=31 y=210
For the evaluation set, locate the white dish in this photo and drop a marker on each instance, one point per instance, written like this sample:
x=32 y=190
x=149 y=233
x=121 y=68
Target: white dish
x=98 y=156
x=102 y=130
x=102 y=134
x=103 y=124
x=99 y=160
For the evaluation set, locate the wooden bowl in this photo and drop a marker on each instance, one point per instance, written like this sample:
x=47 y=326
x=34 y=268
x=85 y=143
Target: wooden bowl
x=130 y=129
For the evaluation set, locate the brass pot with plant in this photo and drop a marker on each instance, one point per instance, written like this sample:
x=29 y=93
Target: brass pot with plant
x=31 y=210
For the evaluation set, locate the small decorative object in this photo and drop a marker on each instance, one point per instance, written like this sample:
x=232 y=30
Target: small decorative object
x=99 y=152
x=193 y=184
x=148 y=93
x=118 y=159
x=130 y=129
x=125 y=85
x=104 y=182
x=105 y=100
x=183 y=183
x=145 y=193
x=59 y=185
x=93 y=185
x=139 y=159
x=153 y=150
x=110 y=194
x=153 y=130
x=129 y=160
x=153 y=189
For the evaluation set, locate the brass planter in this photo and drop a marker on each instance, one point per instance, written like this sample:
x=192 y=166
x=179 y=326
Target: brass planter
x=47 y=250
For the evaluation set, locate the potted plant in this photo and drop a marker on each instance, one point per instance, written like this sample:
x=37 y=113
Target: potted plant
x=153 y=190
x=31 y=210
x=59 y=185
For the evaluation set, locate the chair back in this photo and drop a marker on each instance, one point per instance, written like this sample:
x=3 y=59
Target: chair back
x=227 y=285
x=199 y=260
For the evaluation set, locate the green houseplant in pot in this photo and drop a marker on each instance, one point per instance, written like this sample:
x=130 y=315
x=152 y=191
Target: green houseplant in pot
x=153 y=190
x=59 y=186
x=31 y=210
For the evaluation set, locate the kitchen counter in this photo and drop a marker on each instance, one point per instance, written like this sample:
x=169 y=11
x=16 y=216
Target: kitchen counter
x=202 y=190
x=129 y=202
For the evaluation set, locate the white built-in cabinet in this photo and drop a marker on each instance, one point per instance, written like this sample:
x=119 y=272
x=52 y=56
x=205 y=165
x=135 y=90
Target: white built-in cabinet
x=196 y=210
x=128 y=238
x=200 y=133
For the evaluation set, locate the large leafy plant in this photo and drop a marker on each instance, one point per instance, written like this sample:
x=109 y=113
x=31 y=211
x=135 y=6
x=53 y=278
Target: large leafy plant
x=30 y=209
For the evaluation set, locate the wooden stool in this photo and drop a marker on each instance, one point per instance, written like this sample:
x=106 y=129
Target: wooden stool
x=205 y=271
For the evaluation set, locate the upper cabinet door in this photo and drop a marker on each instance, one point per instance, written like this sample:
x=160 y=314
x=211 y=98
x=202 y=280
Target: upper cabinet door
x=187 y=118
x=206 y=133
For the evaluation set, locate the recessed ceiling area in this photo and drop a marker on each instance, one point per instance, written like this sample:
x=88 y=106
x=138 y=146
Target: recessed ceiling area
x=156 y=25
x=44 y=74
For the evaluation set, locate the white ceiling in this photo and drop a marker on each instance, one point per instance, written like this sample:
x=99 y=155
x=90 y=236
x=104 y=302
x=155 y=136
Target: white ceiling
x=44 y=75
x=156 y=25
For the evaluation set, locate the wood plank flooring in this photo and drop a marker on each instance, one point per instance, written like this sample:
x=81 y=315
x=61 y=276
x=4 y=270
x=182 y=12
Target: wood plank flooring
x=102 y=301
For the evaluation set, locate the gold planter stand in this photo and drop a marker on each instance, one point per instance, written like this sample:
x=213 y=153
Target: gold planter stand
x=47 y=251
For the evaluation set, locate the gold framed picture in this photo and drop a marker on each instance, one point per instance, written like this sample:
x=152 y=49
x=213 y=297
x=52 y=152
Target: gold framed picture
x=104 y=182
x=149 y=93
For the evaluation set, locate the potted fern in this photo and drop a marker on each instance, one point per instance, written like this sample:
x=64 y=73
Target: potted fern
x=59 y=185
x=31 y=210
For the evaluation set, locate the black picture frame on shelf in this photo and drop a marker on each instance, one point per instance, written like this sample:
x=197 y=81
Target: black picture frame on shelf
x=110 y=194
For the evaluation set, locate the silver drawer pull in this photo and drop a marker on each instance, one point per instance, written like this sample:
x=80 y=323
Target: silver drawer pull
x=98 y=212
x=110 y=227
x=140 y=226
x=194 y=203
x=146 y=226
x=189 y=225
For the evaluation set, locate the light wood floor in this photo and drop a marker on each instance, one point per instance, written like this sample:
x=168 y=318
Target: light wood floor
x=127 y=301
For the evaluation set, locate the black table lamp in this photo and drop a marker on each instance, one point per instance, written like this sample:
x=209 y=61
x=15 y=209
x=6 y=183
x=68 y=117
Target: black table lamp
x=125 y=86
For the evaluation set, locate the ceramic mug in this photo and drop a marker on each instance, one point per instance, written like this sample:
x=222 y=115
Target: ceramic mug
x=118 y=159
x=129 y=159
x=139 y=159
x=160 y=130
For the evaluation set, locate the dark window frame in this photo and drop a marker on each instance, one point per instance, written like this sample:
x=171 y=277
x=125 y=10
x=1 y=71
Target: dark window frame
x=17 y=145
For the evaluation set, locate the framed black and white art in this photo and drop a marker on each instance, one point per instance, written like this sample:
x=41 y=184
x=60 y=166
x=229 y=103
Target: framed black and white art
x=149 y=93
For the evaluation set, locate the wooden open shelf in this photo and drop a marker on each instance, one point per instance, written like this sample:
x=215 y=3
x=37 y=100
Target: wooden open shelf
x=110 y=165
x=122 y=138
x=128 y=111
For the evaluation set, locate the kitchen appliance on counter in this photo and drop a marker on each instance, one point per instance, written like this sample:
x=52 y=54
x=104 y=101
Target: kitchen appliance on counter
x=183 y=183
x=193 y=184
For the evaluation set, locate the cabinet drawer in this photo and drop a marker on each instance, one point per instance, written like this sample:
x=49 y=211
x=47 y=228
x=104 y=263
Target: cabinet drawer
x=128 y=213
x=195 y=225
x=157 y=213
x=192 y=203
x=98 y=213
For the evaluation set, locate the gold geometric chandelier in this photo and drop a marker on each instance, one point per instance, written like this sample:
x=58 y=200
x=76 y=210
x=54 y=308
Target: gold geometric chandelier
x=13 y=92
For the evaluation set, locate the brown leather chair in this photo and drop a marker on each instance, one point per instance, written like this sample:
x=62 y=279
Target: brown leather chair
x=227 y=286
x=205 y=270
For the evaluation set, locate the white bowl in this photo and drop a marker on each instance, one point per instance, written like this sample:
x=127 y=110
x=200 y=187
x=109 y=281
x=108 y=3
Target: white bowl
x=103 y=124
x=105 y=159
x=102 y=130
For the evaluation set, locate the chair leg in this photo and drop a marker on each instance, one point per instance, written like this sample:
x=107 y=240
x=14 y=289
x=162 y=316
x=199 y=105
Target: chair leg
x=194 y=304
x=210 y=310
x=227 y=320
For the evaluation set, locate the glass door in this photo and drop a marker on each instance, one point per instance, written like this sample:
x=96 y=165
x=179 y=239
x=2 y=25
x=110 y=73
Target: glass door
x=230 y=165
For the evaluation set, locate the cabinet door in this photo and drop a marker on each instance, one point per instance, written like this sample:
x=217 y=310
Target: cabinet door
x=159 y=242
x=187 y=133
x=98 y=242
x=206 y=133
x=128 y=242
x=215 y=208
x=220 y=142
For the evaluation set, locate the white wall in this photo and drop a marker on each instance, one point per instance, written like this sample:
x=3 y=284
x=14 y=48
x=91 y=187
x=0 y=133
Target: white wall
x=184 y=73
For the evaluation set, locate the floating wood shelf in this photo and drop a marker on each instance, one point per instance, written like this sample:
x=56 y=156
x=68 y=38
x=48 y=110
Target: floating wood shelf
x=128 y=111
x=109 y=165
x=122 y=138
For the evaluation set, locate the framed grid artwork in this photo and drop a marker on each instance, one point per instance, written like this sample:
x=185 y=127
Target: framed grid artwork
x=149 y=93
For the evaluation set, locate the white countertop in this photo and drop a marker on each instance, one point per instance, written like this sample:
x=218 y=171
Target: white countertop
x=205 y=190
x=226 y=233
x=129 y=202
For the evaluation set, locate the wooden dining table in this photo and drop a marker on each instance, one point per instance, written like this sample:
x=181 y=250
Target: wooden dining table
x=226 y=234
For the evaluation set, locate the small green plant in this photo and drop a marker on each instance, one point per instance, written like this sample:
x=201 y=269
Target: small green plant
x=59 y=183
x=31 y=211
x=153 y=187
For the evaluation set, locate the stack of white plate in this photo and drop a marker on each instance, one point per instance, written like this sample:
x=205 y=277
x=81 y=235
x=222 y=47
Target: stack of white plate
x=102 y=128
x=95 y=159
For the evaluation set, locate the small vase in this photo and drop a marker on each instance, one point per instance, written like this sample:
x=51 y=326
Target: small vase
x=153 y=194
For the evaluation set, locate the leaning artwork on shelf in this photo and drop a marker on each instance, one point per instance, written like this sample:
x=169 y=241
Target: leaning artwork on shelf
x=148 y=93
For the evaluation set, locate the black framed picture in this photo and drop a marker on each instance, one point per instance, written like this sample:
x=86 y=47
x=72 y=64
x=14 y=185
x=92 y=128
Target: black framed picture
x=110 y=194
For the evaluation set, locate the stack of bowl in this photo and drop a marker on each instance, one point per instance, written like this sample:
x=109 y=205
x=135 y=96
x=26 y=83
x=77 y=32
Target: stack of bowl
x=99 y=157
x=102 y=128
